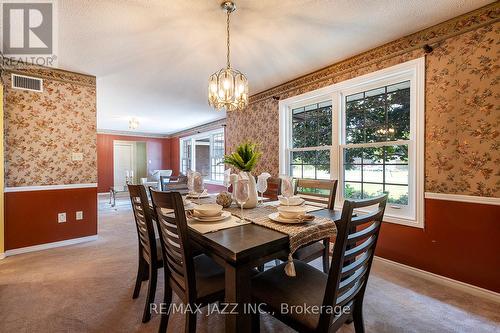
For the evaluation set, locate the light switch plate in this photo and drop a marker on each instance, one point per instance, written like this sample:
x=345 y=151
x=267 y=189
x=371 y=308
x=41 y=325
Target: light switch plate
x=77 y=156
x=61 y=217
x=79 y=215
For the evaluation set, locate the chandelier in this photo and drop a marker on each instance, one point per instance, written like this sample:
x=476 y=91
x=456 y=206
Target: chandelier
x=228 y=87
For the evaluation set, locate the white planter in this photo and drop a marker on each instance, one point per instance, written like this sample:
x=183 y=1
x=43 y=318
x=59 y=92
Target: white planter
x=252 y=192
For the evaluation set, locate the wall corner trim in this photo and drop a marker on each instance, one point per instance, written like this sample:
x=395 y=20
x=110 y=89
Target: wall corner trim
x=463 y=198
x=443 y=280
x=47 y=246
x=48 y=187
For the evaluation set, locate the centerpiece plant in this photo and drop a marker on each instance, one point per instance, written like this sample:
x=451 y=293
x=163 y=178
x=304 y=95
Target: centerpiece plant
x=245 y=159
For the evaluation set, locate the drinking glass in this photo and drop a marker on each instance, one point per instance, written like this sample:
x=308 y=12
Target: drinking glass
x=262 y=186
x=242 y=195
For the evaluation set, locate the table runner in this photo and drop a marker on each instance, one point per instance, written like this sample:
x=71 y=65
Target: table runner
x=299 y=234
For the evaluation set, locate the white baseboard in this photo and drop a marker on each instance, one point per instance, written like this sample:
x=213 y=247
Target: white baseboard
x=443 y=280
x=2 y=256
x=49 y=245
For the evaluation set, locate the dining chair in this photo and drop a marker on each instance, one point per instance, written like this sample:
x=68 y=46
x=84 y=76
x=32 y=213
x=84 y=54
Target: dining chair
x=150 y=258
x=197 y=280
x=174 y=183
x=273 y=188
x=319 y=192
x=341 y=291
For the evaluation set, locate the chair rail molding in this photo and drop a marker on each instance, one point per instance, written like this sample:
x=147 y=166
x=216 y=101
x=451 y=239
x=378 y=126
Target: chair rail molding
x=48 y=187
x=463 y=198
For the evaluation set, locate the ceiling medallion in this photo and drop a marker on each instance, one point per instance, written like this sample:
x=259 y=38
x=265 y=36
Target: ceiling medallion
x=228 y=87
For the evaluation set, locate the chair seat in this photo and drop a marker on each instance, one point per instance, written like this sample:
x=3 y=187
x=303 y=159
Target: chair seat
x=209 y=276
x=274 y=288
x=308 y=252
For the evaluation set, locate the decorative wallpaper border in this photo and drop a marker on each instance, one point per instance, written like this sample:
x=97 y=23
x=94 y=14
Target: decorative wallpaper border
x=198 y=129
x=47 y=72
x=433 y=35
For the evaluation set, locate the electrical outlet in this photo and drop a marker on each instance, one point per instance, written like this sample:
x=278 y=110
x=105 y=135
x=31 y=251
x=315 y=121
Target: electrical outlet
x=61 y=217
x=79 y=215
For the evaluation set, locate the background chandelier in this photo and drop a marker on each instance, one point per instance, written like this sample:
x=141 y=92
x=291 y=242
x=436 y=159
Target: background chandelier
x=228 y=88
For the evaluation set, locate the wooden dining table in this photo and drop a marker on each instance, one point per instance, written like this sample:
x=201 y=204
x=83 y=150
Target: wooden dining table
x=239 y=250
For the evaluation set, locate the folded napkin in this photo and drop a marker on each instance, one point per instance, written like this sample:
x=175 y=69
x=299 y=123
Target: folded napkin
x=195 y=182
x=286 y=186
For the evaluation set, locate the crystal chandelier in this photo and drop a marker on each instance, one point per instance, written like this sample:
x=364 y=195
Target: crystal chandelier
x=228 y=88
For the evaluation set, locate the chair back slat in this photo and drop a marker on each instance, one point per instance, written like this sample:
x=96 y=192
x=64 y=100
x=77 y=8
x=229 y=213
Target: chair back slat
x=360 y=249
x=143 y=221
x=357 y=235
x=355 y=265
x=352 y=279
x=363 y=233
x=315 y=190
x=176 y=249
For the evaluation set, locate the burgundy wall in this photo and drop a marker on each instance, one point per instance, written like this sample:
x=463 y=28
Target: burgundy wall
x=460 y=241
x=31 y=216
x=159 y=152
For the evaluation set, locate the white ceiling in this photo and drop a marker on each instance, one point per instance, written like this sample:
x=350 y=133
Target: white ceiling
x=152 y=58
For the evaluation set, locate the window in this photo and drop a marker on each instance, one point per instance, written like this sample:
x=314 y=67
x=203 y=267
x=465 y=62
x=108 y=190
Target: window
x=204 y=153
x=185 y=155
x=372 y=163
x=311 y=141
x=366 y=132
x=217 y=157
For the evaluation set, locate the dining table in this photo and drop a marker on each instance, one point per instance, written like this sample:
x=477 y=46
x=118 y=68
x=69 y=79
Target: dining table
x=239 y=250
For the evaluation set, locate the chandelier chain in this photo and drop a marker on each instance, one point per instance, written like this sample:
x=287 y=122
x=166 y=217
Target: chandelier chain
x=228 y=43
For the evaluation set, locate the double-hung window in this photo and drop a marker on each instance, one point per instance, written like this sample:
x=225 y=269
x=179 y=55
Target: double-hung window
x=311 y=141
x=372 y=143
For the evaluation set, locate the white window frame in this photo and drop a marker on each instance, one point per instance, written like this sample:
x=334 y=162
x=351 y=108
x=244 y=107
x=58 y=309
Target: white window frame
x=193 y=139
x=413 y=71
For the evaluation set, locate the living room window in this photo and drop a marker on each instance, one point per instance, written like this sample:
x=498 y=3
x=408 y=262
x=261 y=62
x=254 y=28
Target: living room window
x=372 y=141
x=204 y=153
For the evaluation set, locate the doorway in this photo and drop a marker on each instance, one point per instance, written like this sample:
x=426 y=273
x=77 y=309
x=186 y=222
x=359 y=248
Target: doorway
x=129 y=162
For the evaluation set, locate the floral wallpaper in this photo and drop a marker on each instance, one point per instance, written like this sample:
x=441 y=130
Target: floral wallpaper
x=463 y=114
x=42 y=130
x=462 y=103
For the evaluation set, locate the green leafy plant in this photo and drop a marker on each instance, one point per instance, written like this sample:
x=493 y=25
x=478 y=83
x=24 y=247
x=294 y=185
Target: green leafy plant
x=245 y=158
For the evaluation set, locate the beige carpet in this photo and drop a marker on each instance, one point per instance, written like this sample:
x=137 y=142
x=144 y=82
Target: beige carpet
x=88 y=288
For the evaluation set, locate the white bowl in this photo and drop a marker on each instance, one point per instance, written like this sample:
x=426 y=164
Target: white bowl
x=292 y=212
x=208 y=209
x=292 y=201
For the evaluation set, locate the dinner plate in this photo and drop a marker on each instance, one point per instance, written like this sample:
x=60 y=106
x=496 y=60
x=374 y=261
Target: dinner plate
x=277 y=218
x=198 y=196
x=223 y=216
